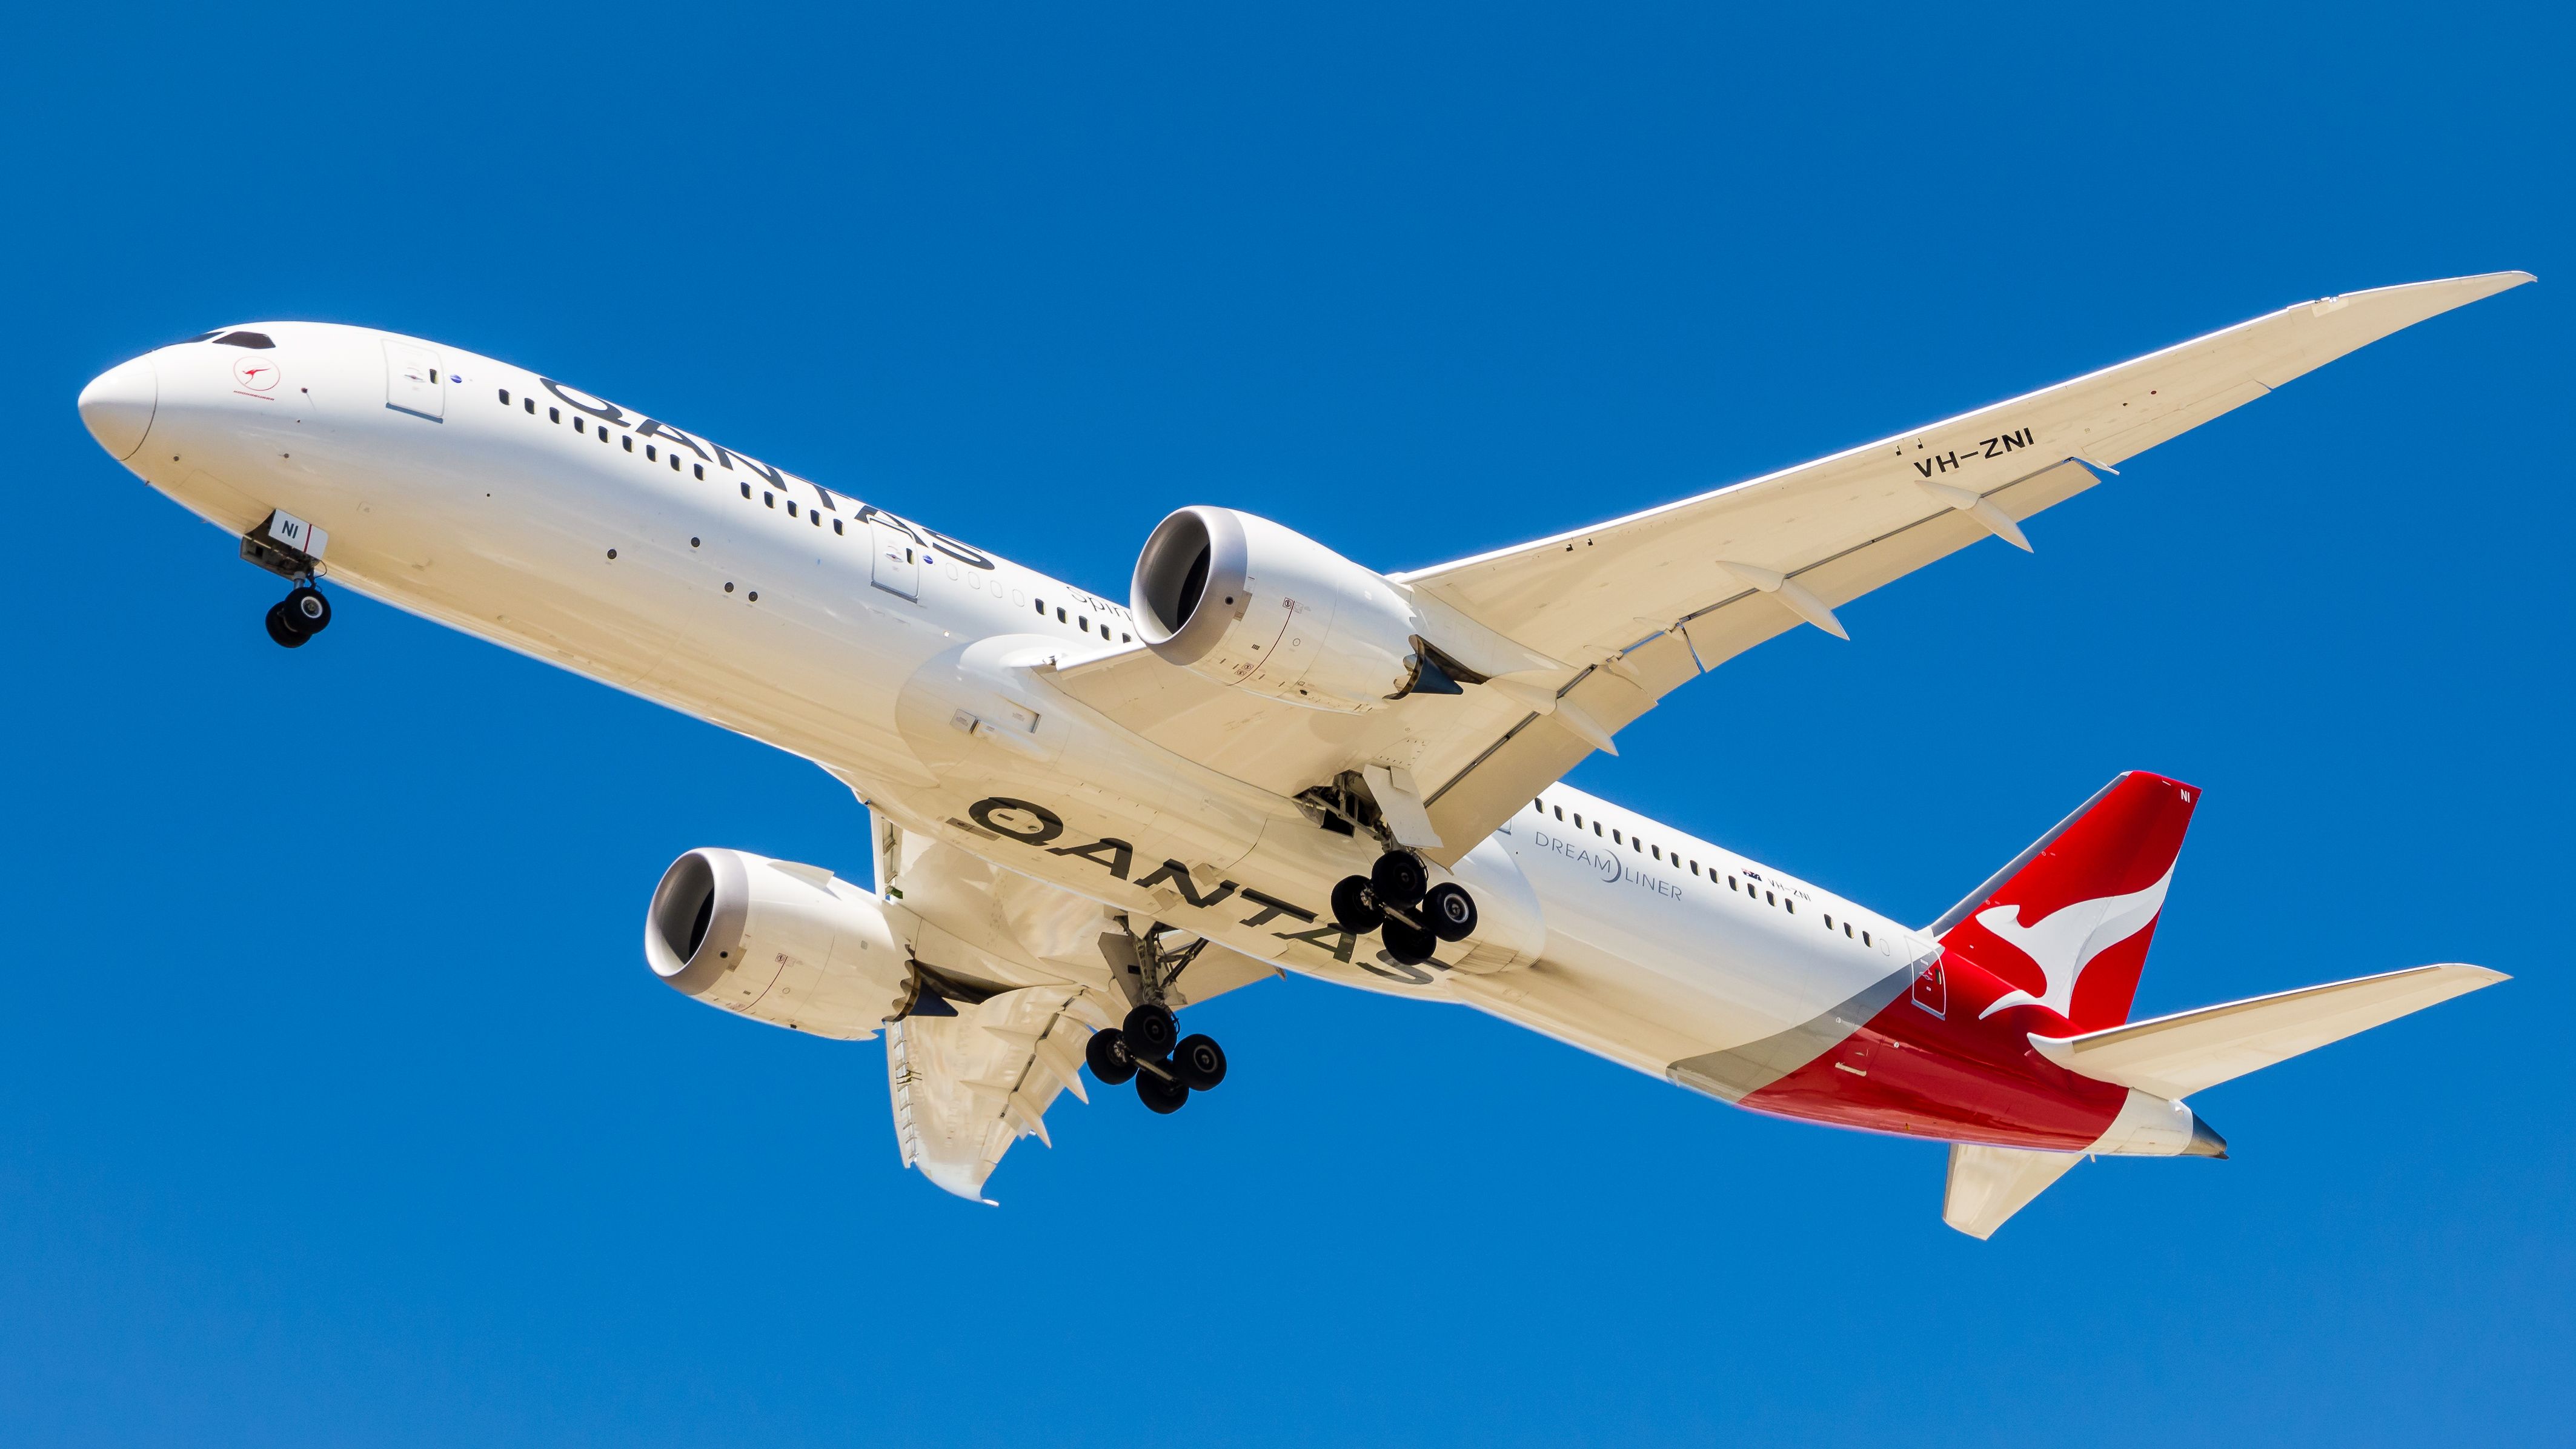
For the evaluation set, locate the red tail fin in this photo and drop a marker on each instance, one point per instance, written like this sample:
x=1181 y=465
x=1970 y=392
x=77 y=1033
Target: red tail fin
x=2069 y=921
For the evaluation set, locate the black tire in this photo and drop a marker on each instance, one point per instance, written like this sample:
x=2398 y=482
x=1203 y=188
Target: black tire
x=1199 y=1062
x=1398 y=878
x=1410 y=945
x=1107 y=1056
x=1160 y=1096
x=1355 y=907
x=1450 y=912
x=285 y=637
x=1151 y=1031
x=307 y=612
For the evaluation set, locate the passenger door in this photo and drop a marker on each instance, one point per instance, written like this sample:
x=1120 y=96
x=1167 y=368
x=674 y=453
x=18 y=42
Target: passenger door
x=412 y=383
x=898 y=562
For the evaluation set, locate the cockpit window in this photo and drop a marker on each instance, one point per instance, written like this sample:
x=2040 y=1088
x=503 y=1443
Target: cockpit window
x=245 y=339
x=201 y=337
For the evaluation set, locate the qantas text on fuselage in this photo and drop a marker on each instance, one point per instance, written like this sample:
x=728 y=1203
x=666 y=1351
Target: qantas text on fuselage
x=1087 y=816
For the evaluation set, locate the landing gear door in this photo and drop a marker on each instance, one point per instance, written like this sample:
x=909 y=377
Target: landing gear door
x=412 y=382
x=898 y=565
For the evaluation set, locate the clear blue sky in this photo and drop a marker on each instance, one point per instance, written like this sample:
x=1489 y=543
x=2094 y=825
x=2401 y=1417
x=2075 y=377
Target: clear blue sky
x=337 y=1106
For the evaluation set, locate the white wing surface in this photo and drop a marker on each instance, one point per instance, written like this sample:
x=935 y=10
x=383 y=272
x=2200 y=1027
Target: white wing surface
x=966 y=1086
x=1637 y=606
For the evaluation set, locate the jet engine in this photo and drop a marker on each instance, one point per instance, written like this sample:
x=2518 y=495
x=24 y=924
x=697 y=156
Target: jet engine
x=1246 y=602
x=779 y=942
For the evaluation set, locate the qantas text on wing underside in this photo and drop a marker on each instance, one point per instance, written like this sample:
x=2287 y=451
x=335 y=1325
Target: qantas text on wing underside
x=1089 y=815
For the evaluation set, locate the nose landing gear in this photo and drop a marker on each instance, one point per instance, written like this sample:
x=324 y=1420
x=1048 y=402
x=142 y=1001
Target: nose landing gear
x=291 y=548
x=1390 y=899
x=299 y=616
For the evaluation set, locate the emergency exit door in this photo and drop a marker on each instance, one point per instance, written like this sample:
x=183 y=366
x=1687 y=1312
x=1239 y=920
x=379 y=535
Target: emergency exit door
x=898 y=565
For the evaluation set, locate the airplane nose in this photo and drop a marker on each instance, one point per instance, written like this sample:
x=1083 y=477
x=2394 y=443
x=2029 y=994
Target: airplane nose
x=118 y=405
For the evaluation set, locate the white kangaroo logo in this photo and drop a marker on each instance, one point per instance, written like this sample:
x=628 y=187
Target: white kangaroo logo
x=2066 y=940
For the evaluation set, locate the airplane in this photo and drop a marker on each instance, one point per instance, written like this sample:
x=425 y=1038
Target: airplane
x=1089 y=815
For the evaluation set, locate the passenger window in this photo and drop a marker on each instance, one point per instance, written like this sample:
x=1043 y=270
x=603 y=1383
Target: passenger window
x=1694 y=867
x=746 y=490
x=1864 y=938
x=698 y=468
x=1730 y=883
x=816 y=517
x=1657 y=852
x=505 y=392
x=836 y=525
x=1541 y=807
x=1829 y=923
x=1041 y=608
x=675 y=462
x=1560 y=814
x=1085 y=622
x=770 y=500
x=624 y=440
x=791 y=508
x=554 y=415
x=1615 y=840
x=1126 y=638
x=1847 y=930
x=1059 y=616
x=577 y=427
x=530 y=404
x=1596 y=827
x=650 y=456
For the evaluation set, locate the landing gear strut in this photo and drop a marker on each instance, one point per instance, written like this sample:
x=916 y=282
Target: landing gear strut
x=290 y=548
x=1390 y=900
x=1148 y=1047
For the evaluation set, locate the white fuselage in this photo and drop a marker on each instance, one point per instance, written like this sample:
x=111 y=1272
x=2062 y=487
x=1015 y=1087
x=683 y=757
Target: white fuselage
x=914 y=668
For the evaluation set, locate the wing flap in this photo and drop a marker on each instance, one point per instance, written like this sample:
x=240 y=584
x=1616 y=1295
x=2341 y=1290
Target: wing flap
x=965 y=1087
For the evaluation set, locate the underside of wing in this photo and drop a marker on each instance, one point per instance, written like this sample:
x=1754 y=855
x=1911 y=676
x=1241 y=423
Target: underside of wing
x=968 y=1083
x=1638 y=606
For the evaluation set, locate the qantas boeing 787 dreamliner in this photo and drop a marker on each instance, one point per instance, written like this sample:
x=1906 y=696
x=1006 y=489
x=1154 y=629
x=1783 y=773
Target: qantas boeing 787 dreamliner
x=1089 y=815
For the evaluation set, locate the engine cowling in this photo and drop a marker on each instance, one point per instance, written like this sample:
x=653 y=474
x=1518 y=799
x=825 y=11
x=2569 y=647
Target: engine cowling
x=788 y=944
x=1244 y=601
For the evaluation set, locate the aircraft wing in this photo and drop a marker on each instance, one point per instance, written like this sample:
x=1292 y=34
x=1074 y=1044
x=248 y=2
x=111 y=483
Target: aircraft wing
x=1637 y=606
x=969 y=1083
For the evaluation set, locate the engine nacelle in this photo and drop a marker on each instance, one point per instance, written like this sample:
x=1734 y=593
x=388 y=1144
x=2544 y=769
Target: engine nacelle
x=779 y=942
x=1243 y=601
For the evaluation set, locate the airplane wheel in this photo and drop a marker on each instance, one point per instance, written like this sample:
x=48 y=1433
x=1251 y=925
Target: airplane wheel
x=1199 y=1062
x=1150 y=1030
x=1451 y=912
x=1107 y=1055
x=1160 y=1096
x=307 y=612
x=1355 y=906
x=1411 y=945
x=280 y=631
x=1398 y=878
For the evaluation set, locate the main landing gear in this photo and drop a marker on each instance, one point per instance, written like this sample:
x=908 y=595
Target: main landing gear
x=1148 y=1047
x=1390 y=899
x=299 y=616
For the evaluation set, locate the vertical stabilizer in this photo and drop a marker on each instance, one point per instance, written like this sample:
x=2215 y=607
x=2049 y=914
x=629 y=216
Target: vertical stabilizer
x=2068 y=922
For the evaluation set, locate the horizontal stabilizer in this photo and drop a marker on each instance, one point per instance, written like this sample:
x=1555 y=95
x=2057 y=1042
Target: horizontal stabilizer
x=2174 y=1056
x=1989 y=1184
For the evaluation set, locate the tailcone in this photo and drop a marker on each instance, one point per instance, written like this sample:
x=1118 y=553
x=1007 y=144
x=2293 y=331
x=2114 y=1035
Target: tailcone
x=2204 y=1141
